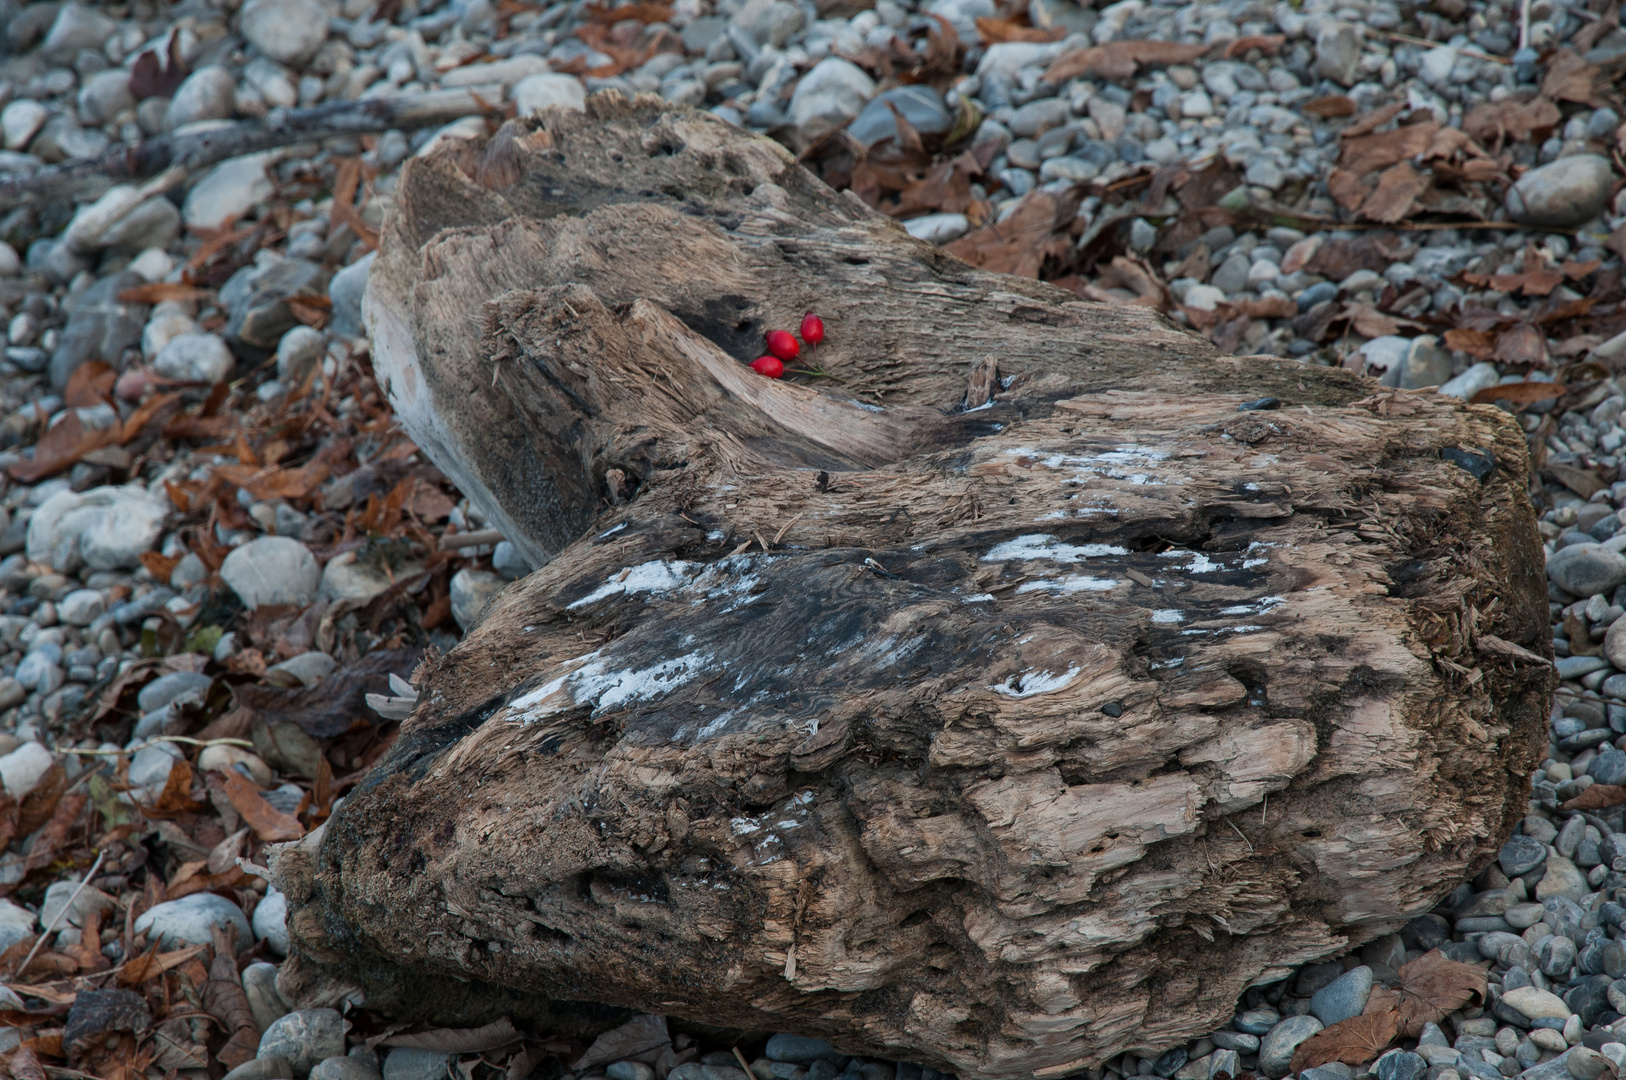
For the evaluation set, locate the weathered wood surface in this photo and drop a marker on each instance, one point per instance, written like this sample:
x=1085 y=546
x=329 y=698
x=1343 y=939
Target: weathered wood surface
x=1004 y=739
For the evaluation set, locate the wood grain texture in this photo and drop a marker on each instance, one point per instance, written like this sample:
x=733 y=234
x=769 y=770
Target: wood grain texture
x=1003 y=739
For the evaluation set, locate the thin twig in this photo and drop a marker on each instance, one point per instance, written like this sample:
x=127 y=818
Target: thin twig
x=1413 y=40
x=244 y=743
x=478 y=538
x=1242 y=834
x=50 y=929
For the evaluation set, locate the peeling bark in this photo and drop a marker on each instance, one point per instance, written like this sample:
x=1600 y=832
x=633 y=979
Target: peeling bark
x=1002 y=738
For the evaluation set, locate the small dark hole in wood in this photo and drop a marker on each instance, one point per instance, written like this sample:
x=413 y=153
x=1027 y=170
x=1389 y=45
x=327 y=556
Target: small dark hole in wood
x=1311 y=832
x=915 y=918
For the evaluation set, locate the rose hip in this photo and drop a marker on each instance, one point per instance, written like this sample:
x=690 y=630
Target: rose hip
x=782 y=343
x=812 y=329
x=771 y=366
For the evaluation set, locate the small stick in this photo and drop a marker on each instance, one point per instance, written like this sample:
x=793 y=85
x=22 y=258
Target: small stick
x=477 y=538
x=49 y=930
x=741 y=1057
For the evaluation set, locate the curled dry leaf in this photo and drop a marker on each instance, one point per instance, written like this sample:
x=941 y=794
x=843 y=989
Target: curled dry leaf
x=225 y=1000
x=1355 y=1041
x=498 y=1033
x=1432 y=987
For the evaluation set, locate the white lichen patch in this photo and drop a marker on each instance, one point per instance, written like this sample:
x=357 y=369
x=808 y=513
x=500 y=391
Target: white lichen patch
x=1031 y=684
x=1045 y=546
x=650 y=577
x=1168 y=616
x=1072 y=583
x=589 y=681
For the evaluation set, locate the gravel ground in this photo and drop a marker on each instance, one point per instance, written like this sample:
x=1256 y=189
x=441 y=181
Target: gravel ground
x=1227 y=163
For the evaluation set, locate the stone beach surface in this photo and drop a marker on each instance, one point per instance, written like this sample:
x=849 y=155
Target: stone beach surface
x=149 y=570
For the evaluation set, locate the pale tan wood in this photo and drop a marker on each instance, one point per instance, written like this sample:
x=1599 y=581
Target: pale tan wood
x=1002 y=738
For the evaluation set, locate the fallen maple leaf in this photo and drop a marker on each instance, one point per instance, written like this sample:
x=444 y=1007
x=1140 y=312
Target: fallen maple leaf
x=1432 y=987
x=1355 y=1041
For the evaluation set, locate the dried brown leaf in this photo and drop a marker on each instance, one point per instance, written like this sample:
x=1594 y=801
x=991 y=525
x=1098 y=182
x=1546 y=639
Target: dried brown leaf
x=641 y=1033
x=1119 y=59
x=1522 y=344
x=1598 y=797
x=25 y=1065
x=1397 y=191
x=61 y=446
x=176 y=798
x=994 y=31
x=498 y=1033
x=1266 y=43
x=1432 y=987
x=1019 y=244
x=152 y=963
x=1347 y=189
x=1479 y=344
x=1570 y=78
x=155 y=292
x=269 y=824
x=1519 y=393
x=1373 y=120
x=1510 y=120
x=1328 y=107
x=225 y=1000
x=1355 y=1041
x=643 y=12
x=1365 y=153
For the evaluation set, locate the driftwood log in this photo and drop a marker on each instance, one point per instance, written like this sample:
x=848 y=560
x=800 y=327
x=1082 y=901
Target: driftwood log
x=1010 y=699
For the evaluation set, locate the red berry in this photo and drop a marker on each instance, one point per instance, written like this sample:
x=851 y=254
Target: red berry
x=769 y=365
x=782 y=344
x=812 y=329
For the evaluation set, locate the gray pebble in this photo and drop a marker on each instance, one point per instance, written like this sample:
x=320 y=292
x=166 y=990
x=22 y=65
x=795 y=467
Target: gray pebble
x=1344 y=997
x=305 y=1038
x=1276 y=1050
